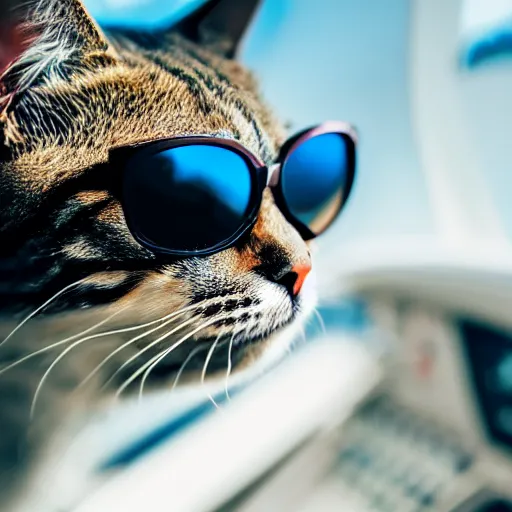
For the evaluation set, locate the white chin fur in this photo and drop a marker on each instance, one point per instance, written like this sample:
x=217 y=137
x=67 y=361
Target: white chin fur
x=281 y=342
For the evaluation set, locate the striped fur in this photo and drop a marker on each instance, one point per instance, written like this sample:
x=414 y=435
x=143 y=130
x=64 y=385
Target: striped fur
x=73 y=95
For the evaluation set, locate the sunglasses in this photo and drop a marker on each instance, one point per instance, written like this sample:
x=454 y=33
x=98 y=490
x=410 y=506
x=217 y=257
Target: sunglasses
x=197 y=195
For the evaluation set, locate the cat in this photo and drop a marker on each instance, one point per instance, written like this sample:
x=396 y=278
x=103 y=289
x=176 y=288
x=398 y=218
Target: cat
x=70 y=269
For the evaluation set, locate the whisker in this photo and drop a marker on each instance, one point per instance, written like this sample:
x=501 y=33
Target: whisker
x=320 y=320
x=146 y=348
x=103 y=334
x=61 y=342
x=94 y=336
x=143 y=382
x=182 y=367
x=152 y=344
x=40 y=308
x=148 y=366
x=63 y=354
x=228 y=371
x=39 y=388
x=205 y=369
x=162 y=356
x=168 y=319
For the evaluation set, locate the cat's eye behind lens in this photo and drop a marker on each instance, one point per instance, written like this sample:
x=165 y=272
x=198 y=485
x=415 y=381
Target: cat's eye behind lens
x=197 y=195
x=189 y=198
x=316 y=177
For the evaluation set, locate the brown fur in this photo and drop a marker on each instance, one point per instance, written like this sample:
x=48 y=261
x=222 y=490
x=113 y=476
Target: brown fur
x=63 y=108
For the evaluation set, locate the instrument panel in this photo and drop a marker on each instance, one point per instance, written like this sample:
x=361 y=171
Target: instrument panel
x=451 y=374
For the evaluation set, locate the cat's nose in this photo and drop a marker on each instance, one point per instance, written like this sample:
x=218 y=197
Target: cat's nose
x=301 y=271
x=294 y=278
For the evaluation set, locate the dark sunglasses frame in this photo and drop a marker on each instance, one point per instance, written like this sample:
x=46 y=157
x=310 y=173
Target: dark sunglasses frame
x=261 y=177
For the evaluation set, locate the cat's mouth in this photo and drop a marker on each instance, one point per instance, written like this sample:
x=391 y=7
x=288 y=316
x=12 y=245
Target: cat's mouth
x=211 y=355
x=241 y=331
x=215 y=335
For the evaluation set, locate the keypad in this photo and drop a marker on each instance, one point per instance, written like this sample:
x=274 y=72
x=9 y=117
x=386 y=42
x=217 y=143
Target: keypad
x=391 y=460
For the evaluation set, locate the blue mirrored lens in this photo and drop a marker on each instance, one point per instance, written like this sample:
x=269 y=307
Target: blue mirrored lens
x=314 y=178
x=188 y=198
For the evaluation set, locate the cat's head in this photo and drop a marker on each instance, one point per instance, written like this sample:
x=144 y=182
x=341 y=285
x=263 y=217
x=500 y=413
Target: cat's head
x=72 y=95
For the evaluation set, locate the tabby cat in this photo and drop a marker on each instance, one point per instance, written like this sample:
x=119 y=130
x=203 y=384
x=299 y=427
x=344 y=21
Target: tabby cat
x=70 y=269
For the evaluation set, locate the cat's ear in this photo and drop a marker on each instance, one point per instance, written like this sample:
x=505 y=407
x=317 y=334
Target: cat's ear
x=219 y=24
x=10 y=36
x=41 y=39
